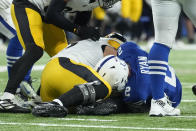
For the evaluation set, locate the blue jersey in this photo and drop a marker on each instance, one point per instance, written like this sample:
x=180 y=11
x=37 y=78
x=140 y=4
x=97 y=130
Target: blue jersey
x=138 y=85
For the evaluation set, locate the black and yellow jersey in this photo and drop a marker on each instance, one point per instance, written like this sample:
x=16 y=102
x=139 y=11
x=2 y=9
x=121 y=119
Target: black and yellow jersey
x=70 y=6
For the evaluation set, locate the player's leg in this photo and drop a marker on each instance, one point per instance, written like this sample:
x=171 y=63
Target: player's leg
x=28 y=25
x=13 y=53
x=27 y=22
x=5 y=28
x=174 y=93
x=55 y=39
x=81 y=85
x=14 y=50
x=172 y=96
x=165 y=16
x=74 y=74
x=189 y=9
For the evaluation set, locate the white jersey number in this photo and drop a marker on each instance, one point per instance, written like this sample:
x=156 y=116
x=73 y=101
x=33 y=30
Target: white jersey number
x=171 y=80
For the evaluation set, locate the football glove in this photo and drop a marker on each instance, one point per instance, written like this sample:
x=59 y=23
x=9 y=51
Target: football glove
x=85 y=32
x=138 y=107
x=104 y=107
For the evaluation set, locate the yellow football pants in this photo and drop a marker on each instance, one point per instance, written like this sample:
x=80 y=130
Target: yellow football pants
x=132 y=9
x=31 y=29
x=61 y=74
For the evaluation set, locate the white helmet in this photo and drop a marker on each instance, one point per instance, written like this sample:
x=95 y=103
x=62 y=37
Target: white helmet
x=114 y=70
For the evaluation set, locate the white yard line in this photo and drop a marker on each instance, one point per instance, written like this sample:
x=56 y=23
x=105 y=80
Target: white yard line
x=77 y=119
x=188 y=101
x=184 y=116
x=189 y=87
x=188 y=62
x=188 y=84
x=38 y=67
x=95 y=126
x=3 y=68
x=35 y=68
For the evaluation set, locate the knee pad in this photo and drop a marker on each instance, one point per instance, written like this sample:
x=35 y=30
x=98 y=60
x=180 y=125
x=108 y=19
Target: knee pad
x=88 y=92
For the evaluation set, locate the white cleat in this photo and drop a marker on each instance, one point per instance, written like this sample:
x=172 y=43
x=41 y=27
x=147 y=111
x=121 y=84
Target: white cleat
x=12 y=106
x=163 y=107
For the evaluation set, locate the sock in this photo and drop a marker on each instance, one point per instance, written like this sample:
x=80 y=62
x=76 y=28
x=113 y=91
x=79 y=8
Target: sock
x=14 y=52
x=158 y=62
x=71 y=98
x=58 y=101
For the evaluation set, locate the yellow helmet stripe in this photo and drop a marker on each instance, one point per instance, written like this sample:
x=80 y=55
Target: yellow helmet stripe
x=114 y=43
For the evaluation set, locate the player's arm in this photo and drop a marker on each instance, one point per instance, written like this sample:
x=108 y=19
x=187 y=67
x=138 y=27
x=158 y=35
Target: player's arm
x=82 y=18
x=55 y=16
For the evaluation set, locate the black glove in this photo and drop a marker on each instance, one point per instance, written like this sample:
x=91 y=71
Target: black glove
x=138 y=107
x=86 y=32
x=104 y=107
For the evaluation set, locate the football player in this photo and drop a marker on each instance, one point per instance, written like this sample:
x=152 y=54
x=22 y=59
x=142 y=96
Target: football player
x=69 y=78
x=137 y=93
x=40 y=25
x=138 y=87
x=14 y=50
x=165 y=16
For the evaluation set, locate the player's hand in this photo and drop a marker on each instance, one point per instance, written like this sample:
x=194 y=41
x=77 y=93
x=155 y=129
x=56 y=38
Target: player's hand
x=86 y=32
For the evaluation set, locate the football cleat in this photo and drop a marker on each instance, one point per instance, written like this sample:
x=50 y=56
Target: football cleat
x=49 y=109
x=12 y=106
x=162 y=107
x=27 y=90
x=194 y=89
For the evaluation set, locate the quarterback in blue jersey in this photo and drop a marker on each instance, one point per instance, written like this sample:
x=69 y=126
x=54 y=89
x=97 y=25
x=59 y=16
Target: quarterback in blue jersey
x=137 y=94
x=138 y=88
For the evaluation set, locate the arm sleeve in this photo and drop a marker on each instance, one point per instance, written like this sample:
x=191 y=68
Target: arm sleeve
x=82 y=18
x=55 y=16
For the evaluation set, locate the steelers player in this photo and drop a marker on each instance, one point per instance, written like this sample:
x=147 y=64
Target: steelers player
x=40 y=25
x=69 y=78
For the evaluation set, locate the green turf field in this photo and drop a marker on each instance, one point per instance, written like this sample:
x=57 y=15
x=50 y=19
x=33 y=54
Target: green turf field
x=184 y=63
